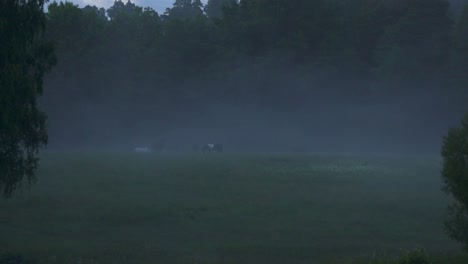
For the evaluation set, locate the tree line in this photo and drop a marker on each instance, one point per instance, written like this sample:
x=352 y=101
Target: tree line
x=267 y=52
x=252 y=51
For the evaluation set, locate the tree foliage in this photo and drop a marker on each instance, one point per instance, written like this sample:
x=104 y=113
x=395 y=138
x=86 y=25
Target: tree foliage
x=24 y=59
x=185 y=9
x=455 y=176
x=214 y=8
x=392 y=43
x=268 y=53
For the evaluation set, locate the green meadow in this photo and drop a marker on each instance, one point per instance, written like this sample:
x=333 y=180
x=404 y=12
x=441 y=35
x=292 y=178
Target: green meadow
x=262 y=208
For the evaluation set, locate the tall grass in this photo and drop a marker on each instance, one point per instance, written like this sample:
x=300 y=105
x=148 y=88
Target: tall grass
x=147 y=208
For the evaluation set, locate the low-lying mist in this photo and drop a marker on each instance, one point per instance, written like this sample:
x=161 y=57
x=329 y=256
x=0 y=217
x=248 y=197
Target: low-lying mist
x=317 y=121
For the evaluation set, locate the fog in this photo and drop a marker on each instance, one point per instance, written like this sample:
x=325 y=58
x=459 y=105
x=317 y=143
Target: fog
x=359 y=84
x=315 y=123
x=225 y=131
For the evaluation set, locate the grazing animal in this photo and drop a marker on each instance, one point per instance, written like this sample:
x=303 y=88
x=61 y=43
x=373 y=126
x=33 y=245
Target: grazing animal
x=212 y=148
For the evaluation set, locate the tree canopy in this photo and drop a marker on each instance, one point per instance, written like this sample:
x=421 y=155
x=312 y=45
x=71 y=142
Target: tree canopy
x=24 y=59
x=455 y=176
x=277 y=53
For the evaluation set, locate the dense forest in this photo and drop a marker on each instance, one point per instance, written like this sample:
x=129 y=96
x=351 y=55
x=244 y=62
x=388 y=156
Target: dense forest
x=268 y=74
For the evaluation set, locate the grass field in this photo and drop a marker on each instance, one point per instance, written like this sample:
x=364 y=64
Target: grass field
x=147 y=208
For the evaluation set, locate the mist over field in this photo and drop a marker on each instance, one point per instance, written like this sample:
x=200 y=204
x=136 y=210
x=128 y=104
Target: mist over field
x=358 y=77
x=358 y=130
x=233 y=131
x=257 y=208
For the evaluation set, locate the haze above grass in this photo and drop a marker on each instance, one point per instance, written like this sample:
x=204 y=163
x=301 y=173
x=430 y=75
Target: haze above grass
x=148 y=208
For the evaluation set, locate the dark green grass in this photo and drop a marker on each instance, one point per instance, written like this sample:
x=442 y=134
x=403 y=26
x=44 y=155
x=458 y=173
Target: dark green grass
x=139 y=208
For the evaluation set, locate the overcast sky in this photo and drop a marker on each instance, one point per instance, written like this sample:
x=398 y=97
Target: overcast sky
x=158 y=5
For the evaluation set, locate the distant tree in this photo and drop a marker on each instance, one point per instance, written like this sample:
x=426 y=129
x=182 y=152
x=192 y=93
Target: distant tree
x=25 y=57
x=460 y=57
x=120 y=9
x=365 y=22
x=99 y=12
x=192 y=46
x=78 y=37
x=131 y=41
x=185 y=9
x=304 y=27
x=456 y=7
x=415 y=48
x=461 y=35
x=455 y=176
x=266 y=52
x=214 y=8
x=74 y=29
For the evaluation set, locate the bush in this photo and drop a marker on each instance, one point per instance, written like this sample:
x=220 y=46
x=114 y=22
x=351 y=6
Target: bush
x=455 y=177
x=414 y=257
x=9 y=258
